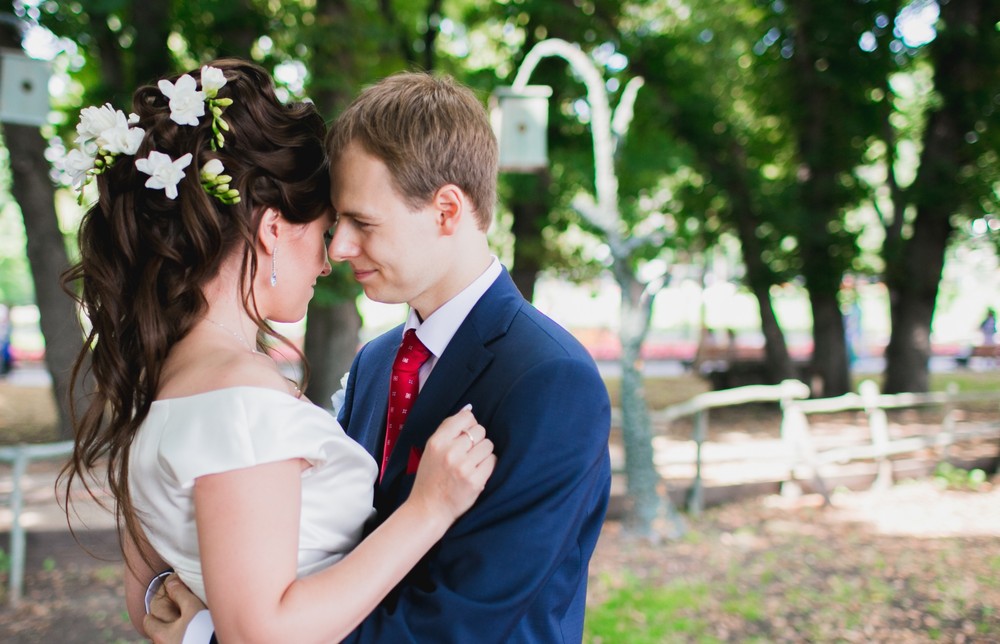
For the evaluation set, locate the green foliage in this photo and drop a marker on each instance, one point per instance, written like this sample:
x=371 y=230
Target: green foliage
x=338 y=286
x=751 y=103
x=759 y=119
x=15 y=281
x=16 y=286
x=948 y=476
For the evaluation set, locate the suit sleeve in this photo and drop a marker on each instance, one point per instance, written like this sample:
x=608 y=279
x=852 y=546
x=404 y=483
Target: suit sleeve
x=531 y=532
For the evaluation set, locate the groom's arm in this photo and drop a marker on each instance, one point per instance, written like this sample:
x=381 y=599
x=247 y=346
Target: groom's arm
x=523 y=549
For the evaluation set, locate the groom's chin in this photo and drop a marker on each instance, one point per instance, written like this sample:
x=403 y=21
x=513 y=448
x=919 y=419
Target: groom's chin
x=377 y=295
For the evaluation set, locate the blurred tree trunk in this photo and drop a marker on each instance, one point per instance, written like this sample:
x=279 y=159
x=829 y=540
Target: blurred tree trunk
x=529 y=204
x=47 y=256
x=829 y=366
x=725 y=158
x=239 y=30
x=333 y=322
x=824 y=158
x=331 y=341
x=966 y=80
x=151 y=54
x=760 y=278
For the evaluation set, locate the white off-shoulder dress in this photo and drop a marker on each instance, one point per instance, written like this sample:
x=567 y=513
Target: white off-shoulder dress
x=234 y=428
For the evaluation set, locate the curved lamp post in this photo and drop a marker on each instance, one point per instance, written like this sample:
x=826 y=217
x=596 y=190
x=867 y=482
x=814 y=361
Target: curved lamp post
x=608 y=131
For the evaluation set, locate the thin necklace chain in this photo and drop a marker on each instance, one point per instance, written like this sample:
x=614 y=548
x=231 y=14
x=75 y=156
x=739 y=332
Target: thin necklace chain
x=243 y=341
x=236 y=335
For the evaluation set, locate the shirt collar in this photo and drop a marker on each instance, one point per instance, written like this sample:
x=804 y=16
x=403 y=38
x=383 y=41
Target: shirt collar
x=437 y=331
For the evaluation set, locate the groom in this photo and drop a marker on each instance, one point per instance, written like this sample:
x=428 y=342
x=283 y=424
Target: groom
x=414 y=164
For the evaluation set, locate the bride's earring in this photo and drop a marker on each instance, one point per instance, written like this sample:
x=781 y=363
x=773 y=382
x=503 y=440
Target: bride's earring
x=274 y=272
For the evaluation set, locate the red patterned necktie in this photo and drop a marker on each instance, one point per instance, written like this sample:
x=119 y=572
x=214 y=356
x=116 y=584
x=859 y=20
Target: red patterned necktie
x=403 y=389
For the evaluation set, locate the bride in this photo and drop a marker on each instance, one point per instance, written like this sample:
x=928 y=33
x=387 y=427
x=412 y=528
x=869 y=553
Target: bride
x=211 y=219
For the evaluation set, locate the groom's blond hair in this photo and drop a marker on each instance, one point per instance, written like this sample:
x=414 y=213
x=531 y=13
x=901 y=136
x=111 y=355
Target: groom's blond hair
x=429 y=131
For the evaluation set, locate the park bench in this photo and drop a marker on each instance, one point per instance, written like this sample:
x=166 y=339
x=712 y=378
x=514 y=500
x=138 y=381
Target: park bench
x=728 y=367
x=978 y=351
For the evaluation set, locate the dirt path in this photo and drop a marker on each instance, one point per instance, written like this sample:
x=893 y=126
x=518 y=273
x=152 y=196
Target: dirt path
x=913 y=564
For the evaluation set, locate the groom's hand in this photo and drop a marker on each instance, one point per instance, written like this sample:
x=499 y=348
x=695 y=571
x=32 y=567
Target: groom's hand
x=172 y=609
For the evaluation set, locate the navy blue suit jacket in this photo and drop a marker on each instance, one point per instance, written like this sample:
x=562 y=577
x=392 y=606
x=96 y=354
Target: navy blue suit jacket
x=513 y=568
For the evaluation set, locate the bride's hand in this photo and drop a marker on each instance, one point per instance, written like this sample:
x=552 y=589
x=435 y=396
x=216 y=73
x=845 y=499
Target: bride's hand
x=456 y=463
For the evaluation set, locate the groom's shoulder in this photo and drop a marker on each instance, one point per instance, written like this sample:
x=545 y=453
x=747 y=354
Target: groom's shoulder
x=387 y=341
x=545 y=336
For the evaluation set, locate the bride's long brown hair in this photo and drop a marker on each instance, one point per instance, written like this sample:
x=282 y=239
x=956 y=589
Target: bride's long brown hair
x=144 y=258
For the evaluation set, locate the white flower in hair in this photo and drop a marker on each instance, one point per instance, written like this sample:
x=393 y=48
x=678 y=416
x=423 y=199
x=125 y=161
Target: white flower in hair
x=215 y=181
x=94 y=120
x=212 y=168
x=102 y=134
x=163 y=171
x=78 y=164
x=88 y=146
x=212 y=80
x=121 y=139
x=107 y=129
x=187 y=102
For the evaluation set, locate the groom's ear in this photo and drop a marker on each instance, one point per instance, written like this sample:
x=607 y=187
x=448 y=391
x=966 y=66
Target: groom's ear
x=452 y=207
x=271 y=224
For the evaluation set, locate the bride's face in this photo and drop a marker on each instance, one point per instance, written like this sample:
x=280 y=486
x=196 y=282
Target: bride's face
x=286 y=280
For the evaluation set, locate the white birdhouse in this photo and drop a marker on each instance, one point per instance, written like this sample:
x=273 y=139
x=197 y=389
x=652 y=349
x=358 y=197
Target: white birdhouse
x=520 y=121
x=24 y=89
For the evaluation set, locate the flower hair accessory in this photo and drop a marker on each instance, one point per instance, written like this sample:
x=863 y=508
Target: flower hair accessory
x=163 y=171
x=216 y=183
x=187 y=102
x=104 y=133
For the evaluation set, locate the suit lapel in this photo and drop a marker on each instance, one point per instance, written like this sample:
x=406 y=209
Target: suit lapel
x=464 y=359
x=441 y=395
x=371 y=401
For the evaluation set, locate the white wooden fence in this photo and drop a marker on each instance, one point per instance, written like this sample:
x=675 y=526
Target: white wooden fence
x=19 y=456
x=880 y=446
x=799 y=451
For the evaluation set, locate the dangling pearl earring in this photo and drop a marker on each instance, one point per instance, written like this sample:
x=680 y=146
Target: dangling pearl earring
x=274 y=272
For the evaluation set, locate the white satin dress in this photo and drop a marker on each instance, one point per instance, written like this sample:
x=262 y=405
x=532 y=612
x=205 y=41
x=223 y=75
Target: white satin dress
x=234 y=428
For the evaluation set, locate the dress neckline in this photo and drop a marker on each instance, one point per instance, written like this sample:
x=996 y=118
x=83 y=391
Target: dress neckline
x=236 y=388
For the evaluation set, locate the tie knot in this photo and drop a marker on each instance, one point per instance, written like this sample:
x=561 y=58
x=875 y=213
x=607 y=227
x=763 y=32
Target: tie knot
x=412 y=353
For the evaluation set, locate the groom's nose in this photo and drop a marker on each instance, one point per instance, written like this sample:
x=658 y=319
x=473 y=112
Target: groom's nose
x=343 y=245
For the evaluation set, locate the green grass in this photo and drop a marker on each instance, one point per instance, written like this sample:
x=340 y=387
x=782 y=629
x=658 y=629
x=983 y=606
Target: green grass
x=967 y=381
x=640 y=614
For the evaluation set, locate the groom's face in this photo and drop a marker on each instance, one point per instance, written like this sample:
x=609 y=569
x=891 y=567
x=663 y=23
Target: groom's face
x=394 y=250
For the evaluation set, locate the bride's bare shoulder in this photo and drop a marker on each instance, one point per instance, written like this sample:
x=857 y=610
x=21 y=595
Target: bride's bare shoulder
x=187 y=373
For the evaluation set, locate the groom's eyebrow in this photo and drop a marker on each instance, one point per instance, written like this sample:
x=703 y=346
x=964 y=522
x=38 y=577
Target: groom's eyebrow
x=356 y=216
